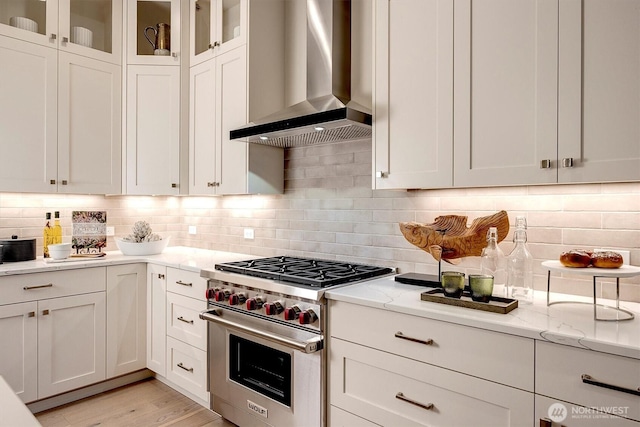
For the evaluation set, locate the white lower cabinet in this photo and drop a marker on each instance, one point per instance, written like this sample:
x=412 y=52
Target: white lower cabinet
x=392 y=390
x=586 y=378
x=52 y=330
x=126 y=318
x=176 y=336
x=156 y=319
x=412 y=371
x=71 y=342
x=557 y=413
x=187 y=367
x=186 y=332
x=19 y=350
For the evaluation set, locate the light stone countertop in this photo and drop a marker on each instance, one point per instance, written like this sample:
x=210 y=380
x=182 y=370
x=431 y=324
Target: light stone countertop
x=569 y=324
x=182 y=257
x=14 y=412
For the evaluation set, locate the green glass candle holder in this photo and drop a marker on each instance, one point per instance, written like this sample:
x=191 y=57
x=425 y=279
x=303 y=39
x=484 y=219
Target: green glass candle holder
x=452 y=283
x=481 y=286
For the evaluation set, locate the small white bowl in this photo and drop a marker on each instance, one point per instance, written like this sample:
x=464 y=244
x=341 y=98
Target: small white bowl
x=24 y=23
x=143 y=248
x=60 y=250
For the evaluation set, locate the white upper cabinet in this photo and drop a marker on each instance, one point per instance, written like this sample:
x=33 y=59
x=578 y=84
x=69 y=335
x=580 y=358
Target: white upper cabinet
x=91 y=28
x=599 y=91
x=154 y=32
x=505 y=86
x=153 y=130
x=216 y=27
x=227 y=91
x=413 y=94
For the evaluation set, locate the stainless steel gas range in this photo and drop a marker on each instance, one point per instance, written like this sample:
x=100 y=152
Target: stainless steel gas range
x=267 y=319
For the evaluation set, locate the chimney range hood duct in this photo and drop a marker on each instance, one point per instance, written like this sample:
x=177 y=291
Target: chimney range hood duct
x=327 y=114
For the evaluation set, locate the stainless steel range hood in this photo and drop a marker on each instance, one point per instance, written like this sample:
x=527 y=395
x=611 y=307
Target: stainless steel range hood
x=327 y=114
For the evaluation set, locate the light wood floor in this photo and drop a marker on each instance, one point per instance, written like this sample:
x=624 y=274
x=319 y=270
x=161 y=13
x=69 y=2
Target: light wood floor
x=146 y=403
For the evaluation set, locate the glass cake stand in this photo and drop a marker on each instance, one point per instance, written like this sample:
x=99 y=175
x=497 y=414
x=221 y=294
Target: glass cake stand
x=617 y=273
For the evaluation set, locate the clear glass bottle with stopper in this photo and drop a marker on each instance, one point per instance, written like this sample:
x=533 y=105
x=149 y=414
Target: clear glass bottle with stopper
x=520 y=265
x=492 y=262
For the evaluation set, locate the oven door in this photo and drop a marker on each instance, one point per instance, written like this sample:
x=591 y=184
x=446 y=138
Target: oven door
x=262 y=372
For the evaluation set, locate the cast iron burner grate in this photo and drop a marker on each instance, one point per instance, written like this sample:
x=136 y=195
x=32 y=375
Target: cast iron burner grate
x=304 y=271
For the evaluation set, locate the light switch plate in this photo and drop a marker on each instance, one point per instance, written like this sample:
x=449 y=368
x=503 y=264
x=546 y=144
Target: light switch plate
x=192 y=229
x=248 y=234
x=111 y=231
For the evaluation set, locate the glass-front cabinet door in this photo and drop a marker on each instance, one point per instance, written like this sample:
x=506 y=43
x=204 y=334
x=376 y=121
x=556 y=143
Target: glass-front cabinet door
x=91 y=28
x=35 y=21
x=217 y=26
x=154 y=32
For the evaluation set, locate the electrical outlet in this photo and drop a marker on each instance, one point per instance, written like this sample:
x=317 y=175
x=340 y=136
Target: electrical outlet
x=111 y=231
x=248 y=234
x=192 y=229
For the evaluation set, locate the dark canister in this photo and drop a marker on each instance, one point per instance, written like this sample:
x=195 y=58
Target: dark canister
x=15 y=249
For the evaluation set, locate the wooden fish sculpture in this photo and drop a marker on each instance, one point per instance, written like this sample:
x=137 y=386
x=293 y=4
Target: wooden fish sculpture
x=448 y=237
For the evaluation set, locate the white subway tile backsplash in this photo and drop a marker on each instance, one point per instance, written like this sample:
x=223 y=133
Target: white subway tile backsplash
x=330 y=211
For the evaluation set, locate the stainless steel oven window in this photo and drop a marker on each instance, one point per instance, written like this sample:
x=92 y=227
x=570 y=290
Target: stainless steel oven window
x=263 y=369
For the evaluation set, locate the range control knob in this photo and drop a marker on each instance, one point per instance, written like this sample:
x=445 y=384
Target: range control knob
x=273 y=308
x=210 y=293
x=291 y=313
x=307 y=317
x=254 y=303
x=236 y=299
x=221 y=295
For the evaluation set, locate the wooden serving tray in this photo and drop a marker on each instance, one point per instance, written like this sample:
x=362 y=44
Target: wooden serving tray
x=495 y=305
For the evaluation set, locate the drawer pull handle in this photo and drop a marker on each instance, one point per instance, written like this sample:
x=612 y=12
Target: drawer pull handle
x=180 y=282
x=588 y=379
x=28 y=288
x=546 y=422
x=182 y=319
x=181 y=366
x=404 y=337
x=427 y=406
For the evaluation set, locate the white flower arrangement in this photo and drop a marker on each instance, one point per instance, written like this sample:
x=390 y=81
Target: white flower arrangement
x=142 y=232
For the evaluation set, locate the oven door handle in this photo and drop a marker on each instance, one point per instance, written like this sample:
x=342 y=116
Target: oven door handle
x=311 y=345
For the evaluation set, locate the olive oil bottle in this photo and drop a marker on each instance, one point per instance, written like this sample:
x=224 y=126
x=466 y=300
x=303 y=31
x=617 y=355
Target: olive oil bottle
x=47 y=235
x=57 y=228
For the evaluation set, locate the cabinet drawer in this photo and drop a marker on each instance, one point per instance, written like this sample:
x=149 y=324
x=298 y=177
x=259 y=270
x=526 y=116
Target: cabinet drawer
x=37 y=286
x=569 y=415
x=391 y=390
x=559 y=371
x=186 y=283
x=340 y=418
x=503 y=358
x=183 y=322
x=187 y=367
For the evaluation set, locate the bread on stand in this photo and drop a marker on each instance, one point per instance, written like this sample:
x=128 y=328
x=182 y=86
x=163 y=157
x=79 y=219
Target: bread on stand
x=579 y=258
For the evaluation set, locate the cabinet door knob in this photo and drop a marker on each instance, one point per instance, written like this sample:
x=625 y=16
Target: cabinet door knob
x=174 y=185
x=211 y=184
x=381 y=174
x=64 y=182
x=45 y=312
x=52 y=181
x=545 y=164
x=160 y=276
x=65 y=39
x=174 y=54
x=567 y=162
x=214 y=45
x=54 y=36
